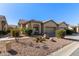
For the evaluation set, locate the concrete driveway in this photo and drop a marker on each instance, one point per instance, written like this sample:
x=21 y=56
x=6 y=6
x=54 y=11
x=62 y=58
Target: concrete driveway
x=71 y=49
x=73 y=37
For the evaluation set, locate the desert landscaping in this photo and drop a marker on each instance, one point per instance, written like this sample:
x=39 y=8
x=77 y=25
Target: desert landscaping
x=29 y=47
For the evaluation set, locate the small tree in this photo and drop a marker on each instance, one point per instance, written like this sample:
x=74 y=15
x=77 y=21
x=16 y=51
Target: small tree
x=15 y=33
x=60 y=33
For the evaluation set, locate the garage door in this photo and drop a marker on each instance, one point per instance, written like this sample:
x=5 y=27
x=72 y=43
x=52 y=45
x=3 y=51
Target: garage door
x=50 y=31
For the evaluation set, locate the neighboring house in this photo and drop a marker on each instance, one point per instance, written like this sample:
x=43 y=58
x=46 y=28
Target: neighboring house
x=73 y=28
x=77 y=29
x=3 y=23
x=62 y=25
x=48 y=27
x=70 y=27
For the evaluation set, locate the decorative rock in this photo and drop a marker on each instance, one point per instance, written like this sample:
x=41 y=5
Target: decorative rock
x=45 y=36
x=31 y=44
x=45 y=47
x=37 y=47
x=50 y=38
x=12 y=52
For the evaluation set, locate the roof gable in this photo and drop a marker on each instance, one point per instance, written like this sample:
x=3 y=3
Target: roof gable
x=50 y=23
x=63 y=24
x=32 y=20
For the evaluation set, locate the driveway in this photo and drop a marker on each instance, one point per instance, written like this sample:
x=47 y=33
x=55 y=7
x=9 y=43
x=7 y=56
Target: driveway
x=71 y=49
x=73 y=37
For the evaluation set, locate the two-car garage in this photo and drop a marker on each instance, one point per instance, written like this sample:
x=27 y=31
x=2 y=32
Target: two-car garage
x=50 y=31
x=50 y=27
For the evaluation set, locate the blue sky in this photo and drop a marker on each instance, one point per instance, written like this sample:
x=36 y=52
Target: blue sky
x=43 y=11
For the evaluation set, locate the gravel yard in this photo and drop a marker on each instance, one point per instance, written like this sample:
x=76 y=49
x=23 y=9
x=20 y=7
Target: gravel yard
x=28 y=47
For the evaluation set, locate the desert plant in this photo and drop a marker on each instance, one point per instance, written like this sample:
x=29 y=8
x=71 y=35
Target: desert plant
x=60 y=33
x=40 y=39
x=15 y=32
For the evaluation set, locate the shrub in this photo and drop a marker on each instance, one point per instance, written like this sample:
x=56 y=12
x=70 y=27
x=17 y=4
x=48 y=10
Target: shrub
x=15 y=32
x=28 y=31
x=8 y=31
x=69 y=32
x=3 y=32
x=60 y=33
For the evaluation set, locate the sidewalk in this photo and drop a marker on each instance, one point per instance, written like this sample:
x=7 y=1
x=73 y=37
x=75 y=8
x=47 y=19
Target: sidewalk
x=8 y=38
x=67 y=50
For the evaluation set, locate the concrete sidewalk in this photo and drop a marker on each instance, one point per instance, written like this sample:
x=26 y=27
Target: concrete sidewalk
x=67 y=50
x=8 y=38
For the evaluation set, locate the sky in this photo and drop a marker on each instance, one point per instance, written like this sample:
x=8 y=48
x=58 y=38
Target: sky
x=59 y=12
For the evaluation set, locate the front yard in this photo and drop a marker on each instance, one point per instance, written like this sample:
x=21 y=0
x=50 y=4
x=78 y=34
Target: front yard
x=28 y=46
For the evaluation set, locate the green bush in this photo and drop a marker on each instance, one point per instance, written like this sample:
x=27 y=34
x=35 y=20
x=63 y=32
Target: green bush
x=69 y=32
x=60 y=33
x=15 y=33
x=3 y=32
x=28 y=31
